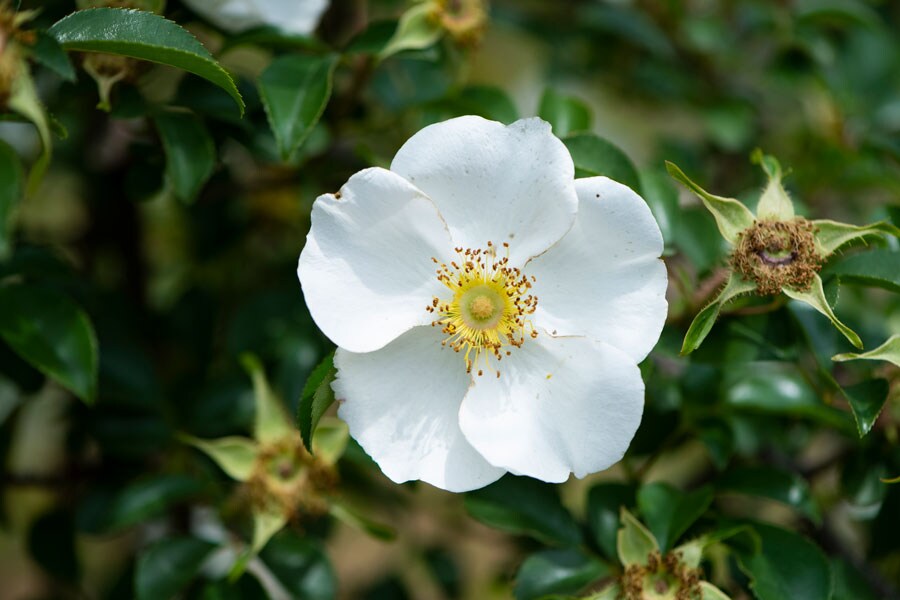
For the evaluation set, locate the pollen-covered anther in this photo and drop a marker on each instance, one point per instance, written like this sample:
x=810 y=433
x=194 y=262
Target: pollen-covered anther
x=775 y=254
x=488 y=307
x=663 y=577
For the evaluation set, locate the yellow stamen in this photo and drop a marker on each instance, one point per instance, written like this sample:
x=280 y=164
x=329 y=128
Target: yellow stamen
x=488 y=307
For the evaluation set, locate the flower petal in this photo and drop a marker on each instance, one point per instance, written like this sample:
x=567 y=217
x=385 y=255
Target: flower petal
x=402 y=404
x=366 y=269
x=560 y=405
x=239 y=15
x=494 y=183
x=604 y=279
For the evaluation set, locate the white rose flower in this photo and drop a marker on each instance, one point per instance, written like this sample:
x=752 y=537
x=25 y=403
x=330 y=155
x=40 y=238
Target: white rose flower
x=234 y=16
x=489 y=309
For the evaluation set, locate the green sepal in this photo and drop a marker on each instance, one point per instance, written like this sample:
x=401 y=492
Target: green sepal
x=706 y=318
x=815 y=297
x=234 y=455
x=24 y=100
x=265 y=525
x=831 y=235
x=634 y=542
x=330 y=440
x=352 y=517
x=691 y=552
x=610 y=592
x=416 y=30
x=775 y=202
x=710 y=592
x=272 y=422
x=888 y=351
x=731 y=216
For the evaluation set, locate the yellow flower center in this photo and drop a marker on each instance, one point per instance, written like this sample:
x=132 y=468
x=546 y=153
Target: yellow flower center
x=486 y=311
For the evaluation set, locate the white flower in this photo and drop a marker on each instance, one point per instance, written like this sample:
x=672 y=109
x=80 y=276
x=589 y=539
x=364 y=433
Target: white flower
x=234 y=16
x=518 y=350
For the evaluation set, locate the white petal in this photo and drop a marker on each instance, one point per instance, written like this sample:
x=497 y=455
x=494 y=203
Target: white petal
x=291 y=16
x=494 y=183
x=604 y=279
x=366 y=269
x=560 y=405
x=402 y=404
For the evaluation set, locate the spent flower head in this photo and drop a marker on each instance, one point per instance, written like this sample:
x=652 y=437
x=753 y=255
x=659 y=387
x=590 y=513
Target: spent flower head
x=489 y=309
x=774 y=251
x=649 y=574
x=283 y=480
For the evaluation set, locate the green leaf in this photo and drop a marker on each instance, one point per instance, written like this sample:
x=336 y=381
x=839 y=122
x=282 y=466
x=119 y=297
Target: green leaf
x=876 y=268
x=294 y=90
x=662 y=198
x=149 y=498
x=301 y=567
x=49 y=53
x=524 y=506
x=634 y=542
x=595 y=156
x=417 y=29
x=488 y=102
x=268 y=36
x=234 y=455
x=831 y=235
x=12 y=175
x=668 y=512
x=566 y=114
x=561 y=571
x=190 y=152
x=317 y=396
x=142 y=35
x=867 y=399
x=788 y=567
x=604 y=503
x=767 y=482
x=168 y=566
x=888 y=351
x=779 y=389
x=815 y=297
x=49 y=331
x=706 y=318
x=848 y=583
x=271 y=423
x=774 y=203
x=731 y=216
x=373 y=39
x=354 y=518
